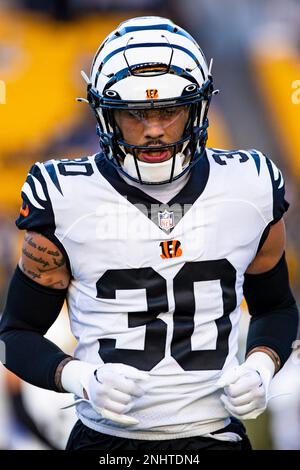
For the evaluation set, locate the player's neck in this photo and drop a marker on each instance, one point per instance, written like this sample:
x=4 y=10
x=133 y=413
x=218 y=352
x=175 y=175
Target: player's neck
x=161 y=192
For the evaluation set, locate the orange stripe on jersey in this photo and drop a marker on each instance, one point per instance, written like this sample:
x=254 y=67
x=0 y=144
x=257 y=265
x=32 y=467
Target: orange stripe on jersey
x=24 y=211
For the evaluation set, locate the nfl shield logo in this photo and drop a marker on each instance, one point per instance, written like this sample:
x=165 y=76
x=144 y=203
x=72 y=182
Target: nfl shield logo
x=166 y=220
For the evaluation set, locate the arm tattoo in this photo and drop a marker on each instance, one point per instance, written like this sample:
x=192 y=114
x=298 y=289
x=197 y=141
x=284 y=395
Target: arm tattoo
x=53 y=253
x=58 y=263
x=58 y=284
x=30 y=273
x=57 y=258
x=29 y=240
x=39 y=260
x=43 y=262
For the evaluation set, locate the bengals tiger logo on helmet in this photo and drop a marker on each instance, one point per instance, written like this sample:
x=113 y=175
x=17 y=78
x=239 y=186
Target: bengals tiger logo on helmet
x=152 y=94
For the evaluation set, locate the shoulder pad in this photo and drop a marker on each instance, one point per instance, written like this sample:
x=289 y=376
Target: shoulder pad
x=36 y=211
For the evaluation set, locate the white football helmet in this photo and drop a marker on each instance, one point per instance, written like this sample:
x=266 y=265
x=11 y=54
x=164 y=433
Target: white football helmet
x=150 y=63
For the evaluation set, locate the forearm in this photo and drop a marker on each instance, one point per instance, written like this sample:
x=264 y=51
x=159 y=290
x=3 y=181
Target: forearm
x=29 y=312
x=276 y=331
x=33 y=358
x=274 y=313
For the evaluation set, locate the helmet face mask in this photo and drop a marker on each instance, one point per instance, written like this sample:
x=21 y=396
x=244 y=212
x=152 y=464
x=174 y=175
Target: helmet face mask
x=124 y=87
x=130 y=124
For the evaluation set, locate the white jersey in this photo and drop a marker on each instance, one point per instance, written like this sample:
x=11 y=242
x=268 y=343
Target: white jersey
x=158 y=286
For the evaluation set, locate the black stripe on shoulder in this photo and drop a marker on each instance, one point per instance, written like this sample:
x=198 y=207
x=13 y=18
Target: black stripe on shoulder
x=50 y=168
x=280 y=205
x=255 y=155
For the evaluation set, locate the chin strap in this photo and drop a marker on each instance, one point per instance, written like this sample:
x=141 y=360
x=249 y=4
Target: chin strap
x=154 y=172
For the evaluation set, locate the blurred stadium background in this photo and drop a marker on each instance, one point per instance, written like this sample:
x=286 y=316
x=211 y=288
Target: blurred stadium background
x=43 y=46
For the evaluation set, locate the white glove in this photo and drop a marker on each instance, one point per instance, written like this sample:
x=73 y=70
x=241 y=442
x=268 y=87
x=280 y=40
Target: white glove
x=246 y=386
x=111 y=388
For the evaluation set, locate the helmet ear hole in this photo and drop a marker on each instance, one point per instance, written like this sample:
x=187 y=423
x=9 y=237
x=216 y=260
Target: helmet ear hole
x=112 y=94
x=189 y=89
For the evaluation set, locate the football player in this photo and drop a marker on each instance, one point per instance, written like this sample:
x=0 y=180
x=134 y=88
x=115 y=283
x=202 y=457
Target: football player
x=153 y=242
